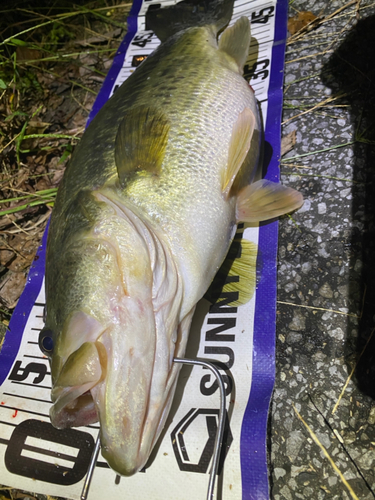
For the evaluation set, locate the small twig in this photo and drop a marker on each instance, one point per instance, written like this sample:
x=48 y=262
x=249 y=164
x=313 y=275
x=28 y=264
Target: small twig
x=322 y=177
x=33 y=28
x=336 y=469
x=100 y=16
x=367 y=6
x=341 y=441
x=9 y=247
x=28 y=194
x=357 y=7
x=318 y=309
x=295 y=165
x=352 y=373
x=64 y=57
x=27 y=228
x=299 y=80
x=319 y=105
x=301 y=49
x=10 y=142
x=317 y=22
x=84 y=88
x=294 y=223
x=319 y=151
x=309 y=56
x=340 y=9
x=20 y=229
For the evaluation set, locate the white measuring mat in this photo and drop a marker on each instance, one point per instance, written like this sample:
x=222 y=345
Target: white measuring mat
x=36 y=457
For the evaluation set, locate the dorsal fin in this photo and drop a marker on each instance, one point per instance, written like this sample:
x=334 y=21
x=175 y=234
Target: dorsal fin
x=141 y=141
x=242 y=133
x=169 y=20
x=235 y=41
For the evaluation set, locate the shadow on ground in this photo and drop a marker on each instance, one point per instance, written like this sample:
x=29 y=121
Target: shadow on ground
x=351 y=71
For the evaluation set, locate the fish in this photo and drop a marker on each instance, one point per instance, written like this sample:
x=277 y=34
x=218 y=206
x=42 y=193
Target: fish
x=143 y=220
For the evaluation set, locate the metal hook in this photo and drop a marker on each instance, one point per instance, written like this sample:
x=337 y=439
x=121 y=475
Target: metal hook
x=221 y=423
x=90 y=472
x=218 y=438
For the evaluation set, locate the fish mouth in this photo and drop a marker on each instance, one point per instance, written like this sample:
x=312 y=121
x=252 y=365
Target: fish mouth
x=74 y=407
x=73 y=403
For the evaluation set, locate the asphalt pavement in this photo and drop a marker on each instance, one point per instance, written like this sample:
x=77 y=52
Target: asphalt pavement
x=321 y=427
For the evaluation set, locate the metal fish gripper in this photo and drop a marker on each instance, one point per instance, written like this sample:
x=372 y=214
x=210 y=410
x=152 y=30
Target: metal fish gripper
x=218 y=438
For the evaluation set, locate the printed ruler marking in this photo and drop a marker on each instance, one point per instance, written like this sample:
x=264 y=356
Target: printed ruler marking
x=49 y=387
x=27 y=397
x=36 y=357
x=15 y=408
x=6 y=422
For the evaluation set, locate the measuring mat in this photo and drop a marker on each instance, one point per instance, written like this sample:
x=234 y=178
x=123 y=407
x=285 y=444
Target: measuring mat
x=34 y=456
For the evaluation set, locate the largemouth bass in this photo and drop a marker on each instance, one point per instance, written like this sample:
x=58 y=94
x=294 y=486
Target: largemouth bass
x=142 y=222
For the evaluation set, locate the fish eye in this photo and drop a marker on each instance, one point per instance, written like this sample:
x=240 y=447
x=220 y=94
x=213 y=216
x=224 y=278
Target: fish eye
x=46 y=341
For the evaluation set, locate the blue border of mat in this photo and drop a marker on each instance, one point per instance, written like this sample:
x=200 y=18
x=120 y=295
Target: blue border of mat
x=254 y=427
x=118 y=61
x=22 y=312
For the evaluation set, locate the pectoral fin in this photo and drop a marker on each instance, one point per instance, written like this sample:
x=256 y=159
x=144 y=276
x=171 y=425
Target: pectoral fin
x=235 y=41
x=141 y=141
x=242 y=133
x=265 y=200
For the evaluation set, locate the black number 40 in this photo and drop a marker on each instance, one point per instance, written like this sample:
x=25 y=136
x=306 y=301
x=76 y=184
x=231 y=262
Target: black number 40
x=142 y=40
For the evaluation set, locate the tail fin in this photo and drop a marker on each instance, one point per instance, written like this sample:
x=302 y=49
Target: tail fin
x=167 y=21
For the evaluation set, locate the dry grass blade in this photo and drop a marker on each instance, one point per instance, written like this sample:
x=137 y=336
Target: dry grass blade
x=318 y=309
x=304 y=155
x=310 y=56
x=352 y=372
x=313 y=108
x=28 y=227
x=320 y=176
x=327 y=455
x=318 y=22
x=33 y=28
